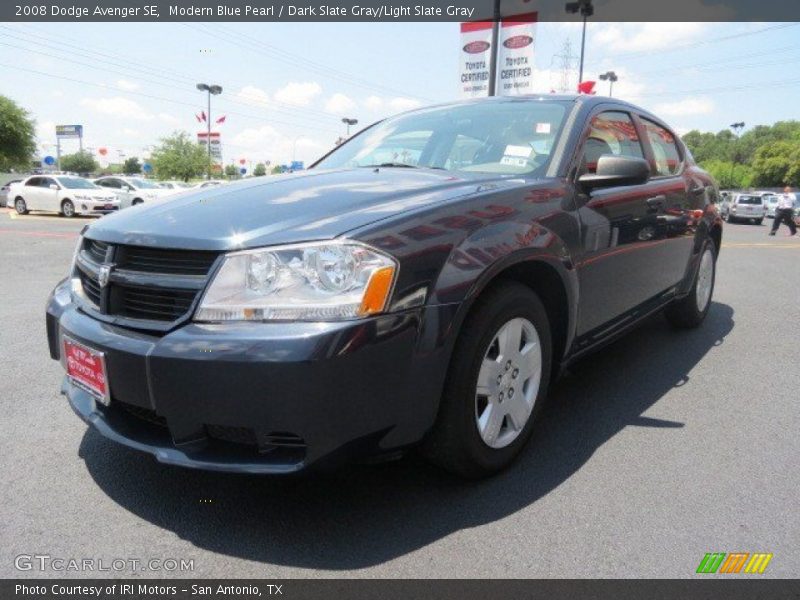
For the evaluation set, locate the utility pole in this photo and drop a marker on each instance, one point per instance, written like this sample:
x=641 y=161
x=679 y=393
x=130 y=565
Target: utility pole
x=587 y=10
x=493 y=50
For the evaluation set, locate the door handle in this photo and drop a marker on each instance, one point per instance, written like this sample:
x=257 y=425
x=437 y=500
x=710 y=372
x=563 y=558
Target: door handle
x=656 y=202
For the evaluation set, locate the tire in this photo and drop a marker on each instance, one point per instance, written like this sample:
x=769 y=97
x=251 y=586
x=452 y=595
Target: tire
x=458 y=440
x=759 y=221
x=68 y=209
x=690 y=311
x=20 y=206
x=137 y=201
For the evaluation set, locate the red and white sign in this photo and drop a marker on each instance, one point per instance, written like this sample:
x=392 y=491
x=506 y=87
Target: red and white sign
x=216 y=143
x=87 y=369
x=475 y=57
x=515 y=55
x=516 y=41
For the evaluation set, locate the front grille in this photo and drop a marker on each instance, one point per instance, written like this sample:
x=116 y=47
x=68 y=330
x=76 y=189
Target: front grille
x=152 y=287
x=97 y=250
x=235 y=435
x=90 y=288
x=144 y=414
x=156 y=260
x=139 y=302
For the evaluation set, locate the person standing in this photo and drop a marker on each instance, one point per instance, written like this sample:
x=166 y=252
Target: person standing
x=784 y=212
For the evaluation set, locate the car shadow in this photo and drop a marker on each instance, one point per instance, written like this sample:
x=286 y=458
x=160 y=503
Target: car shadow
x=365 y=515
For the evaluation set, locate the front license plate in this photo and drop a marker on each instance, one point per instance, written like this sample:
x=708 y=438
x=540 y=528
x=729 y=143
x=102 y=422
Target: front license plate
x=108 y=206
x=86 y=368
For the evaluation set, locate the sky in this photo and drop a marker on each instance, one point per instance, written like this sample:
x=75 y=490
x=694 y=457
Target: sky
x=286 y=86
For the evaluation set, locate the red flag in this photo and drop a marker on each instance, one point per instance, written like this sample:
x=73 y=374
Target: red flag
x=586 y=87
x=196 y=116
x=203 y=114
x=221 y=120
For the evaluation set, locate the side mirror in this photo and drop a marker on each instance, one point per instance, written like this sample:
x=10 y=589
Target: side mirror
x=614 y=171
x=53 y=186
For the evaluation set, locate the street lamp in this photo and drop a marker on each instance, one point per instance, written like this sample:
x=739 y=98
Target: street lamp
x=349 y=122
x=216 y=90
x=737 y=129
x=587 y=10
x=611 y=77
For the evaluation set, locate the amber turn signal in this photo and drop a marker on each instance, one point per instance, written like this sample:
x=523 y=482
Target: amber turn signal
x=377 y=292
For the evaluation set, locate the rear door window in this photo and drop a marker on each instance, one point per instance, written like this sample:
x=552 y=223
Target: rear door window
x=665 y=148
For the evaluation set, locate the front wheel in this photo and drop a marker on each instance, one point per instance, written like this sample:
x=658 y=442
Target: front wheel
x=759 y=221
x=496 y=383
x=690 y=311
x=137 y=201
x=20 y=206
x=68 y=209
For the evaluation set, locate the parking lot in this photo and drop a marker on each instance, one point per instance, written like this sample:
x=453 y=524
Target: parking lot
x=663 y=447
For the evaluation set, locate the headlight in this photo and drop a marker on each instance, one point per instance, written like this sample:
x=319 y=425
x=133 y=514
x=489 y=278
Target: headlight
x=305 y=282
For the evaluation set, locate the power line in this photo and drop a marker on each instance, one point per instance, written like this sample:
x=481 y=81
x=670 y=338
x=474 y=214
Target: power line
x=704 y=42
x=161 y=98
x=291 y=109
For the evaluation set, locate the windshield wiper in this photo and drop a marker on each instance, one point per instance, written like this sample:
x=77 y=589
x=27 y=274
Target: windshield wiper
x=391 y=164
x=400 y=165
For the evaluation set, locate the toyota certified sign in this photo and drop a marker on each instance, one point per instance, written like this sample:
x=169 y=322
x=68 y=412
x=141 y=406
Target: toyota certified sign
x=518 y=41
x=477 y=47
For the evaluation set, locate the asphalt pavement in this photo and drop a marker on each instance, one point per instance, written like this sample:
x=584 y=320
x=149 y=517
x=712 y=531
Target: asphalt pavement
x=663 y=447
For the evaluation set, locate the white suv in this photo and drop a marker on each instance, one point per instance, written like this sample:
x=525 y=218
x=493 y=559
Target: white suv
x=749 y=207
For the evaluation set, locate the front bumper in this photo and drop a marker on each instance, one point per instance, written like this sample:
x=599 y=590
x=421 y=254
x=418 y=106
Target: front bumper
x=261 y=397
x=95 y=207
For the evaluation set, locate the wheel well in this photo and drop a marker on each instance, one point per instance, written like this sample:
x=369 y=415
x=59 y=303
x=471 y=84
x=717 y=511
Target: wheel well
x=66 y=200
x=545 y=281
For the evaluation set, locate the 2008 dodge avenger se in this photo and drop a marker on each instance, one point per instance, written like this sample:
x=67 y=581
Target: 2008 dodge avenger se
x=422 y=284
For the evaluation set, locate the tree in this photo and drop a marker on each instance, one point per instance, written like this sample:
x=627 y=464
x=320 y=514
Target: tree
x=777 y=164
x=729 y=175
x=260 y=170
x=132 y=166
x=277 y=169
x=80 y=162
x=17 y=136
x=178 y=157
x=231 y=171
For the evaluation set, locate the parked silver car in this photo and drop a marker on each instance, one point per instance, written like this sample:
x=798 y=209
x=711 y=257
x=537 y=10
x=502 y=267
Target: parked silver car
x=745 y=207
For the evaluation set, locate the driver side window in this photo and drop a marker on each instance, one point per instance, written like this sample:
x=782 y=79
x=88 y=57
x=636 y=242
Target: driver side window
x=613 y=133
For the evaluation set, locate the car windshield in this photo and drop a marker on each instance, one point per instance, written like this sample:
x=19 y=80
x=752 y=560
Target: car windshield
x=749 y=200
x=512 y=138
x=76 y=183
x=143 y=183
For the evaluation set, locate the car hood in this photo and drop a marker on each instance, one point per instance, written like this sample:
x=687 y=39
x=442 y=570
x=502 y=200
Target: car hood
x=311 y=205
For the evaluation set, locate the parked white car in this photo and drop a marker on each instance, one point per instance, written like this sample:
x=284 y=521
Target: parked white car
x=174 y=185
x=745 y=207
x=210 y=183
x=133 y=190
x=68 y=195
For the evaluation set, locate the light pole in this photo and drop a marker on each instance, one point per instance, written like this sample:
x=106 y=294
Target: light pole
x=737 y=129
x=349 y=122
x=611 y=77
x=216 y=90
x=587 y=10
